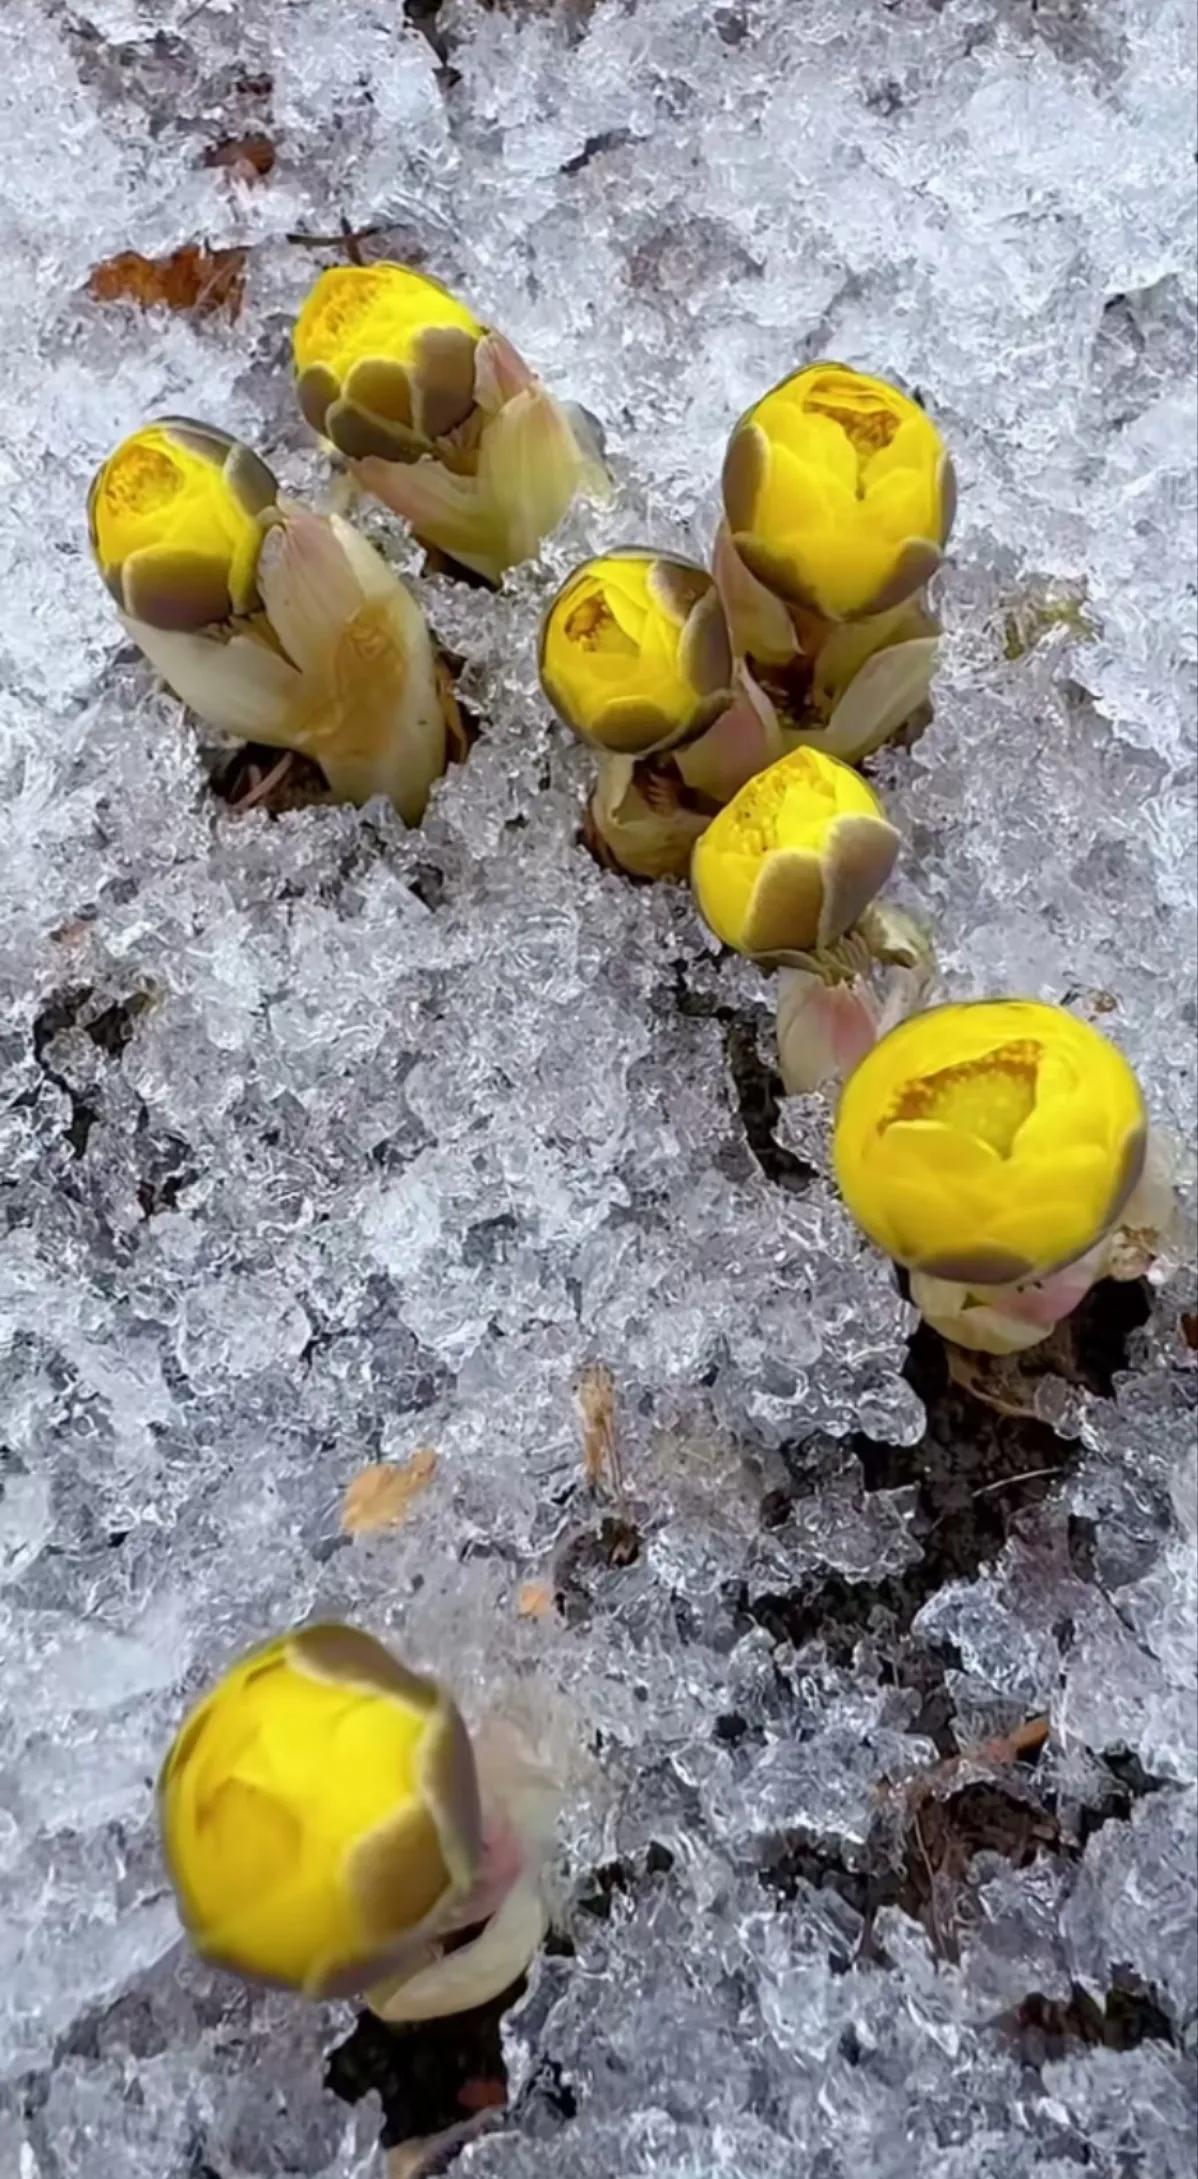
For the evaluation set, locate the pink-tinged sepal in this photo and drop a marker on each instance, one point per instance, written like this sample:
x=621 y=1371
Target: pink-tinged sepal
x=761 y=625
x=500 y=373
x=744 y=739
x=823 y=1030
x=520 y=1798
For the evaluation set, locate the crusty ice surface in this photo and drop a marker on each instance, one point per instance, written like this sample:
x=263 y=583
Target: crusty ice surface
x=320 y=1143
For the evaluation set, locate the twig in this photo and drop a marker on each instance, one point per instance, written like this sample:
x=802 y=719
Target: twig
x=933 y=1917
x=1029 y=1475
x=600 y=1450
x=348 y=238
x=263 y=786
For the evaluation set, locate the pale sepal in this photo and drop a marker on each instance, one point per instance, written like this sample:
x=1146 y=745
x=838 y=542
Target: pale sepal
x=823 y=1029
x=1004 y=1319
x=760 y=625
x=370 y=709
x=885 y=692
x=743 y=740
x=650 y=834
x=239 y=685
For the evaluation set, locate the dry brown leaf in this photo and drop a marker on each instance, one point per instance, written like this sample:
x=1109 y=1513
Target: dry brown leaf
x=382 y=1496
x=250 y=158
x=597 y=1406
x=534 y=1599
x=72 y=932
x=1008 y=1748
x=999 y=1753
x=193 y=278
x=489 y=2094
x=455 y=730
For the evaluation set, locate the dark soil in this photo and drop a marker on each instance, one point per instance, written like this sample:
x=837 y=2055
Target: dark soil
x=429 y=2077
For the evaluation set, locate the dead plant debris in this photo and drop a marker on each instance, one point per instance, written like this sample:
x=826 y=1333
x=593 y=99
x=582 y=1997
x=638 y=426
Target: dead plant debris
x=382 y=1496
x=193 y=279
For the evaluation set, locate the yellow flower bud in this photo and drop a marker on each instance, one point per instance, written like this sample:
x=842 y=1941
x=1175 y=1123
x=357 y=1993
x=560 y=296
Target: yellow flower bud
x=384 y=360
x=635 y=654
x=990 y=1142
x=838 y=492
x=794 y=859
x=320 y=1813
x=176 y=524
x=438 y=416
x=273 y=624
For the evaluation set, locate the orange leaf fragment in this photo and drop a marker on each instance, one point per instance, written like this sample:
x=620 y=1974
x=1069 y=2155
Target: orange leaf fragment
x=534 y=1599
x=382 y=1496
x=482 y=2094
x=250 y=158
x=192 y=278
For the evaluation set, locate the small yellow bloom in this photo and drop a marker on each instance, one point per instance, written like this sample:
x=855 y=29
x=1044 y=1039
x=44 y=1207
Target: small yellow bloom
x=838 y=492
x=384 y=360
x=635 y=653
x=438 y=415
x=794 y=859
x=176 y=524
x=990 y=1142
x=320 y=1813
x=271 y=623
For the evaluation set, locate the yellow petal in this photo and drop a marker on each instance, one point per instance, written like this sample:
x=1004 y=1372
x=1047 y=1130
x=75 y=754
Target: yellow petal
x=353 y=312
x=294 y=1781
x=995 y=1129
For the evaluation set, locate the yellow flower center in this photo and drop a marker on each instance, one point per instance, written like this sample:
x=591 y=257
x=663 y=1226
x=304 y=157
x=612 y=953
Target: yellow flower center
x=789 y=805
x=867 y=430
x=988 y=1098
x=142 y=483
x=357 y=312
x=593 y=627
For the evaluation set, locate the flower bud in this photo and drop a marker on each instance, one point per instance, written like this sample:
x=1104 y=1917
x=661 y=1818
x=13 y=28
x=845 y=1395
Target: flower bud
x=271 y=623
x=439 y=417
x=990 y=1143
x=635 y=654
x=794 y=859
x=838 y=493
x=320 y=1814
x=176 y=518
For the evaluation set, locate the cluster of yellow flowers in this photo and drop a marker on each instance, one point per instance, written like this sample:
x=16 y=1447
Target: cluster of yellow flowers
x=328 y=1823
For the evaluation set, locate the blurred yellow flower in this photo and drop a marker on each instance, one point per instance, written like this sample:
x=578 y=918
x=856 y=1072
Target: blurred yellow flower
x=271 y=623
x=990 y=1142
x=635 y=654
x=320 y=1813
x=438 y=416
x=794 y=859
x=838 y=492
x=176 y=524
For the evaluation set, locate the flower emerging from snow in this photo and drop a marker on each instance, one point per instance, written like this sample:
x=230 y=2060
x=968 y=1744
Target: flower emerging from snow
x=326 y=1829
x=794 y=859
x=636 y=658
x=992 y=1148
x=177 y=524
x=438 y=416
x=838 y=493
x=271 y=623
x=635 y=652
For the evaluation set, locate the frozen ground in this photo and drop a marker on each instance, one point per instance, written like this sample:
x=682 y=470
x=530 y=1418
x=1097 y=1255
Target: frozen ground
x=321 y=1144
